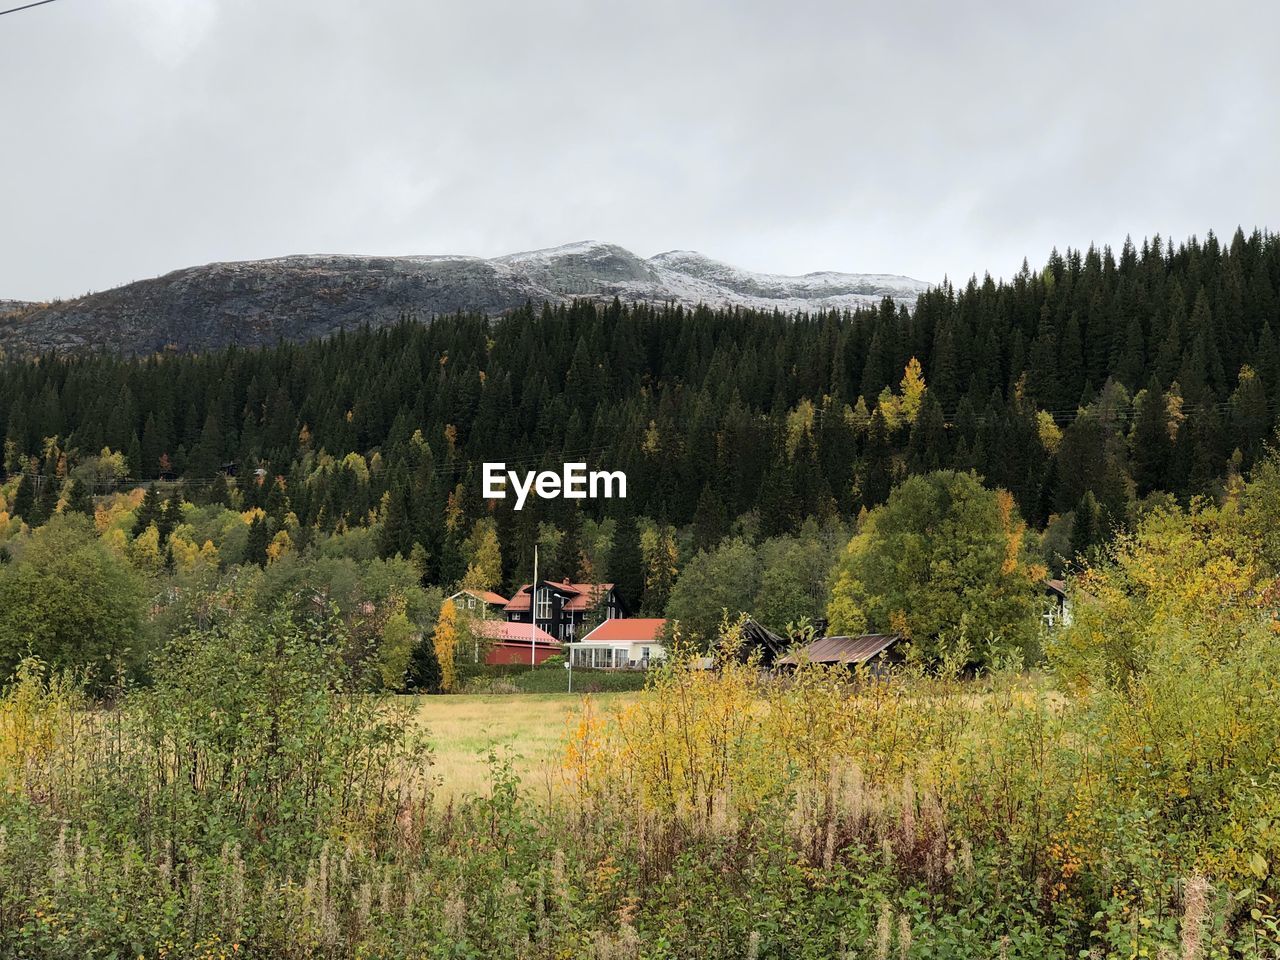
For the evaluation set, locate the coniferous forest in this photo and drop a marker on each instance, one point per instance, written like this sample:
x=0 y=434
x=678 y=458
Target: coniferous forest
x=246 y=711
x=1083 y=387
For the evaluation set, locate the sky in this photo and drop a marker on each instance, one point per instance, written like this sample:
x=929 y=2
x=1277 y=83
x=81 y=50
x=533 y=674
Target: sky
x=927 y=139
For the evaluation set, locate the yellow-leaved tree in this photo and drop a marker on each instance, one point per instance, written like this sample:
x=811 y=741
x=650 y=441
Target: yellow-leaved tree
x=484 y=556
x=1174 y=649
x=902 y=408
x=445 y=641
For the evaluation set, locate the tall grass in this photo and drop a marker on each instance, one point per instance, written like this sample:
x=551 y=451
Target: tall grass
x=251 y=804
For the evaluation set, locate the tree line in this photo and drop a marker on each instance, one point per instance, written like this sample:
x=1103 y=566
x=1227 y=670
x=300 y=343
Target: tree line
x=1082 y=388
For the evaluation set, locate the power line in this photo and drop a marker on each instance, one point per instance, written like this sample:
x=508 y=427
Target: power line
x=38 y=3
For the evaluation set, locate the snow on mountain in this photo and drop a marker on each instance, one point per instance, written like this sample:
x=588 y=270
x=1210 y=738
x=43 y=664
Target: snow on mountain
x=302 y=297
x=591 y=268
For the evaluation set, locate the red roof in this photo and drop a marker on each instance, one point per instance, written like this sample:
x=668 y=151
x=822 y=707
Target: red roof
x=505 y=632
x=842 y=649
x=488 y=596
x=635 y=630
x=582 y=596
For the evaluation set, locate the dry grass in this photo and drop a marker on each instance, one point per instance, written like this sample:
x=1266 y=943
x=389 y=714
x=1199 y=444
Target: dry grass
x=463 y=728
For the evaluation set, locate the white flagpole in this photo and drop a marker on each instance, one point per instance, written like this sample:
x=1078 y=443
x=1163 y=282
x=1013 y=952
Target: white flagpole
x=533 y=612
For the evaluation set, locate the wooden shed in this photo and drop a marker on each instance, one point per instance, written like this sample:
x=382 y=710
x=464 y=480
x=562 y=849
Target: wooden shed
x=870 y=648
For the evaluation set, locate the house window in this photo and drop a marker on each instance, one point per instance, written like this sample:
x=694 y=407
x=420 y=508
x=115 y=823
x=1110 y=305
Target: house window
x=568 y=630
x=644 y=655
x=544 y=604
x=471 y=603
x=621 y=658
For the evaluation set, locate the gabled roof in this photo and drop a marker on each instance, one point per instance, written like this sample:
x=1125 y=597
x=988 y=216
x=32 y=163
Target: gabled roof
x=1056 y=587
x=842 y=649
x=755 y=636
x=582 y=596
x=503 y=631
x=634 y=630
x=488 y=596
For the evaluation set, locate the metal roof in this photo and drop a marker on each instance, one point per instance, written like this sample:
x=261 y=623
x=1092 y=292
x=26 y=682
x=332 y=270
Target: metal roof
x=627 y=630
x=842 y=649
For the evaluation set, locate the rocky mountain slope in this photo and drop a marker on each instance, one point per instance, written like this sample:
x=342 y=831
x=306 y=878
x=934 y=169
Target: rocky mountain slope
x=303 y=297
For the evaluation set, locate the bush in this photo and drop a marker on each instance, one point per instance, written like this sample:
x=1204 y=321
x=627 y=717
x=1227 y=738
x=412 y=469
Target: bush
x=71 y=602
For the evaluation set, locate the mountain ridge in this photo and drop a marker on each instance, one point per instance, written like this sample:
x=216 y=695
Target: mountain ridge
x=306 y=296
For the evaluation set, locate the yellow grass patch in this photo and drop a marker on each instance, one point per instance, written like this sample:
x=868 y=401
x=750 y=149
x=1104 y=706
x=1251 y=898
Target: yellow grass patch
x=463 y=728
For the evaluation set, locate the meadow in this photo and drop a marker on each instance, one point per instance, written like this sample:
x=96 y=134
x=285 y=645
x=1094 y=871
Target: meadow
x=461 y=732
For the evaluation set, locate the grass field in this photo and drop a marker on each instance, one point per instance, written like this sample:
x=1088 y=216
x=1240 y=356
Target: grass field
x=463 y=728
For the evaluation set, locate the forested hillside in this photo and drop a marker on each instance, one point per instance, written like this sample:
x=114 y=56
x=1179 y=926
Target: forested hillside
x=1081 y=387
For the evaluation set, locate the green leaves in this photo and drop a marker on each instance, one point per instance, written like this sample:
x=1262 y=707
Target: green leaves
x=943 y=561
x=72 y=602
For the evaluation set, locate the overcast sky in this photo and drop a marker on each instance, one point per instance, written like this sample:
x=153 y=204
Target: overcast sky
x=139 y=136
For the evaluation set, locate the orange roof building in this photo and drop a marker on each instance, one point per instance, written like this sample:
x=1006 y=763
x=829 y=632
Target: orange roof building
x=622 y=644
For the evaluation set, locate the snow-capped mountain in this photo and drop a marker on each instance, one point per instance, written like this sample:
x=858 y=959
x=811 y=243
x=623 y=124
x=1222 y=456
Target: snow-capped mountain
x=302 y=297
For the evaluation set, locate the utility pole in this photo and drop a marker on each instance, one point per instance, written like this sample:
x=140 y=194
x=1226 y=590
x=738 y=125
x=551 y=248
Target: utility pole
x=533 y=612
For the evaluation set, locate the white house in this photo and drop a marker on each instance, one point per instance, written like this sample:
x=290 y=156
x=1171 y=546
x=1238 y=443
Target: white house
x=1058 y=609
x=622 y=643
x=483 y=603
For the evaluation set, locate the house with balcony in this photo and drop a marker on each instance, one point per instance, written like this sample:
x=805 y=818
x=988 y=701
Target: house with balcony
x=563 y=609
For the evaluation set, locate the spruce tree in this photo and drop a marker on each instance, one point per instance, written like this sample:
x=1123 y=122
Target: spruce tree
x=78 y=498
x=148 y=512
x=1149 y=440
x=24 y=498
x=709 y=520
x=255 y=549
x=423 y=674
x=395 y=537
x=46 y=504
x=170 y=517
x=1086 y=528
x=626 y=562
x=219 y=493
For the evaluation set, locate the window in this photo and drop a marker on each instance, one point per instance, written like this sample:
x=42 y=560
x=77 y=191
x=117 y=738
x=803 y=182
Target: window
x=621 y=658
x=644 y=655
x=471 y=603
x=544 y=604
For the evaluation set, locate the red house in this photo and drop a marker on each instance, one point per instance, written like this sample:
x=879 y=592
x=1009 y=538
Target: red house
x=510 y=642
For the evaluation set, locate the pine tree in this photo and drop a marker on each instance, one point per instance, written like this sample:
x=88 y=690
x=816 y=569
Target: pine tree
x=1250 y=417
x=1086 y=528
x=148 y=512
x=1149 y=440
x=876 y=477
x=779 y=509
x=709 y=520
x=927 y=447
x=626 y=562
x=395 y=536
x=24 y=499
x=219 y=493
x=420 y=560
x=424 y=674
x=46 y=504
x=79 y=499
x=255 y=548
x=170 y=517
